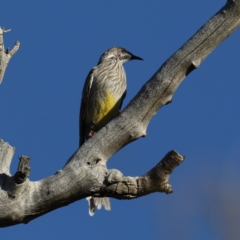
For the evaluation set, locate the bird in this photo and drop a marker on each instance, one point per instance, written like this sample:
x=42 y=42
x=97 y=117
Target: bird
x=102 y=96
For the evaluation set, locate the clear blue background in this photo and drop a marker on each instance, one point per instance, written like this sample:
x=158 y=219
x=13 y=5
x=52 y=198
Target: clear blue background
x=39 y=101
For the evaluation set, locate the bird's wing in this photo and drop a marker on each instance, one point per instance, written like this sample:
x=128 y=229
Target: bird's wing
x=82 y=115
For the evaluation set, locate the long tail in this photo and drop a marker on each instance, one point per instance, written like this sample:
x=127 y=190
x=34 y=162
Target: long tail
x=98 y=203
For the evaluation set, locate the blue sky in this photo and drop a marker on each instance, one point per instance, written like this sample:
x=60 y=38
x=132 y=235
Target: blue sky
x=39 y=100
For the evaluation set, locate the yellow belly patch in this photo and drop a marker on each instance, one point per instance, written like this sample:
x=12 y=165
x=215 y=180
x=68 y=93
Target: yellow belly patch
x=105 y=110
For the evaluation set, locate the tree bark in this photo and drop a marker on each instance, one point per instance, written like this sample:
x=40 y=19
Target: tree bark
x=85 y=173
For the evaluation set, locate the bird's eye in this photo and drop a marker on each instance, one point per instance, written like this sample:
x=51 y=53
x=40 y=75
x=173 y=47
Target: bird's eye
x=124 y=57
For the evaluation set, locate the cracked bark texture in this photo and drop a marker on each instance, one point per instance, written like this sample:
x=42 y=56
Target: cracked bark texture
x=85 y=173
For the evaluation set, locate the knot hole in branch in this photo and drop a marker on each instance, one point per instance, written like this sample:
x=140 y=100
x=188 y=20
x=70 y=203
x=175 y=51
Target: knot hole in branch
x=93 y=162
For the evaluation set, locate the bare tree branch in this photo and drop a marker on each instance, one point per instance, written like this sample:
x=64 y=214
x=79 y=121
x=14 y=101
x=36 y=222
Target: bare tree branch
x=23 y=170
x=85 y=173
x=156 y=180
x=5 y=56
x=6 y=155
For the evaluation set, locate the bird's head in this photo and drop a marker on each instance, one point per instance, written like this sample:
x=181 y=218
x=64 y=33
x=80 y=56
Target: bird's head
x=118 y=54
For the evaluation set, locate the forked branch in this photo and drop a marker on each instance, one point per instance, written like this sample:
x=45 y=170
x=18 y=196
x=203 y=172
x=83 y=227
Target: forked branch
x=5 y=55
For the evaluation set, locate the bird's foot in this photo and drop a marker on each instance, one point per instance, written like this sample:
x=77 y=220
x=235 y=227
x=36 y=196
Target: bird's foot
x=91 y=134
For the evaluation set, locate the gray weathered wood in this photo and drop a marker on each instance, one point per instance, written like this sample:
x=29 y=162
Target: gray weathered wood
x=23 y=170
x=85 y=173
x=5 y=56
x=6 y=155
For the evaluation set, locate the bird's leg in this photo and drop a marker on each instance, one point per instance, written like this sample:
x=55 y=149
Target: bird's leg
x=91 y=134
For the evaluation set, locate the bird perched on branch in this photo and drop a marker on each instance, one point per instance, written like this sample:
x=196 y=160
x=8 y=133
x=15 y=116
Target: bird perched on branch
x=102 y=98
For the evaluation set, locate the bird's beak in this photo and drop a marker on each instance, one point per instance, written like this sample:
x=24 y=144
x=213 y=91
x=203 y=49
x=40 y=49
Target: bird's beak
x=133 y=57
